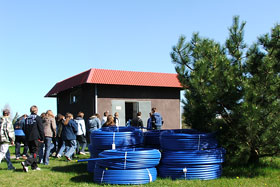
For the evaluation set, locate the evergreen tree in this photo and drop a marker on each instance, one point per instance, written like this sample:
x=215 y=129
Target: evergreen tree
x=221 y=95
x=261 y=109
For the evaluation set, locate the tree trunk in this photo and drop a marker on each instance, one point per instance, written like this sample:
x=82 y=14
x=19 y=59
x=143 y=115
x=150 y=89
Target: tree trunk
x=254 y=157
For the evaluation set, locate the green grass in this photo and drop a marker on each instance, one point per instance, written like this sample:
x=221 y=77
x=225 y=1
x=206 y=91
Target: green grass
x=63 y=173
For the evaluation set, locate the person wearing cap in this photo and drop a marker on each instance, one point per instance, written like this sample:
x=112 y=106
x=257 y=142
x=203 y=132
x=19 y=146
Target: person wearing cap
x=7 y=134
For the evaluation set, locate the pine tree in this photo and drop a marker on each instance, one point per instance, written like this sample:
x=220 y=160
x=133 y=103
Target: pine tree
x=261 y=109
x=221 y=95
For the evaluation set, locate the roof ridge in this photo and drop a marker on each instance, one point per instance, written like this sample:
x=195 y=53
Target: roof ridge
x=117 y=77
x=91 y=72
x=73 y=76
x=132 y=71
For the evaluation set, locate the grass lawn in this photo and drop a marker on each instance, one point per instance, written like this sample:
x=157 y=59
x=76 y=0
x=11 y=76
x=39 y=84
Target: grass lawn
x=63 y=173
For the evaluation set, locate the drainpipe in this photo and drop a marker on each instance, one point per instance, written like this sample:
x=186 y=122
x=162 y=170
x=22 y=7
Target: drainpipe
x=180 y=110
x=95 y=97
x=180 y=116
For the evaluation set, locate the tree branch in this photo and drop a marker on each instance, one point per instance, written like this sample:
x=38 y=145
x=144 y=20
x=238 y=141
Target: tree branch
x=182 y=59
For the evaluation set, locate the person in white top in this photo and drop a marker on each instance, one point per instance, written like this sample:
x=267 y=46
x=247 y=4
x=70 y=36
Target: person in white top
x=7 y=134
x=116 y=119
x=81 y=134
x=104 y=119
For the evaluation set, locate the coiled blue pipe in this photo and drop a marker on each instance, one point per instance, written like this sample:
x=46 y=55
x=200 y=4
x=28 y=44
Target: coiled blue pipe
x=187 y=139
x=112 y=138
x=91 y=164
x=110 y=176
x=93 y=154
x=202 y=172
x=189 y=154
x=193 y=157
x=116 y=137
x=138 y=158
x=151 y=139
x=127 y=166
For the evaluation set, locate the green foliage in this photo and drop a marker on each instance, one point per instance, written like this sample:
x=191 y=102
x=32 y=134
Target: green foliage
x=233 y=91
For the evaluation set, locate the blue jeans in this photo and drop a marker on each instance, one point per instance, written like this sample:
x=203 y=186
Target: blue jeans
x=54 y=148
x=41 y=153
x=81 y=141
x=61 y=147
x=8 y=160
x=70 y=147
x=47 y=143
x=19 y=140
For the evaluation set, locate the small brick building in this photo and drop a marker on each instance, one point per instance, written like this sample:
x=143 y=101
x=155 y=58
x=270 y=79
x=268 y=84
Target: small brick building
x=125 y=92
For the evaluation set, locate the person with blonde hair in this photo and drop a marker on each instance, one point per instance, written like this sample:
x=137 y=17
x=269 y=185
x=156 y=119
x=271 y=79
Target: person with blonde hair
x=69 y=131
x=110 y=122
x=50 y=132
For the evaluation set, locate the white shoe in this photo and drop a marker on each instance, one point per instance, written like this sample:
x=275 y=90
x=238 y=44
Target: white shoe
x=25 y=168
x=58 y=156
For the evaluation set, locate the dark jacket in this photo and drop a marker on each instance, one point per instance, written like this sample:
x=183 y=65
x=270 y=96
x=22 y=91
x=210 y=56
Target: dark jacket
x=33 y=128
x=69 y=131
x=149 y=124
x=137 y=122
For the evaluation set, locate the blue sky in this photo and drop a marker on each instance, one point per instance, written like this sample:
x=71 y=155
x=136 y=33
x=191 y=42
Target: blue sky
x=43 y=42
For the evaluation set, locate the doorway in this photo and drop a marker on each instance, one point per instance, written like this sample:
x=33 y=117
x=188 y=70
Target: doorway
x=131 y=109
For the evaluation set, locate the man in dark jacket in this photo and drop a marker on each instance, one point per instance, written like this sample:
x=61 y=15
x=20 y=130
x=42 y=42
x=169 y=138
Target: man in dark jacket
x=137 y=122
x=34 y=134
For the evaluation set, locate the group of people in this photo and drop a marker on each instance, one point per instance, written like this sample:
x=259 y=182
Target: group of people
x=155 y=121
x=47 y=134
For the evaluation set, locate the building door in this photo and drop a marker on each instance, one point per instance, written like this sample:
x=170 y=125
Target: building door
x=131 y=109
x=119 y=106
x=128 y=110
x=145 y=109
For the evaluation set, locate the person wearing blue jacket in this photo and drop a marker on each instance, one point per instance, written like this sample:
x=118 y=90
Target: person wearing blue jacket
x=156 y=119
x=20 y=137
x=69 y=131
x=149 y=122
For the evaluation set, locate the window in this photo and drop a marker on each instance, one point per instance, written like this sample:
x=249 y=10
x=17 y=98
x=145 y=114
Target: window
x=74 y=97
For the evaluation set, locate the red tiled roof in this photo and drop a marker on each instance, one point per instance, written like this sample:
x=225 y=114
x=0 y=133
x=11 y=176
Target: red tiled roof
x=117 y=77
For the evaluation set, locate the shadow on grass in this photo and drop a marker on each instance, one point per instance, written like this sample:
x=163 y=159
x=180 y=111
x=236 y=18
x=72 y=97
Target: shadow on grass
x=79 y=168
x=71 y=168
x=86 y=178
x=242 y=171
x=265 y=167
